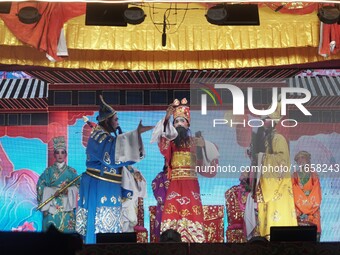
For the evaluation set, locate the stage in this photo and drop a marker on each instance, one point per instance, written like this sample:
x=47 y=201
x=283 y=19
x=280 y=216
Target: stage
x=56 y=243
x=298 y=248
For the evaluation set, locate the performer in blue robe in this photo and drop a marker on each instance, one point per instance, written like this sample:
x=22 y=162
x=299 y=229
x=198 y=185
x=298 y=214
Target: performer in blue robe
x=59 y=212
x=100 y=195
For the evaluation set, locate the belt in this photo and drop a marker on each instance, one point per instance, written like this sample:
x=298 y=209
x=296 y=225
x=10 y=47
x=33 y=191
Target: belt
x=183 y=173
x=109 y=177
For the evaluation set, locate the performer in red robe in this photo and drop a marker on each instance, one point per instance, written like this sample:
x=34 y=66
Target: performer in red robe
x=183 y=207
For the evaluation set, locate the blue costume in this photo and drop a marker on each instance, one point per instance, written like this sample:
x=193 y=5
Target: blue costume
x=100 y=194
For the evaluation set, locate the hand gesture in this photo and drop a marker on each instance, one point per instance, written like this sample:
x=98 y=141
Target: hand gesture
x=141 y=129
x=138 y=177
x=59 y=192
x=169 y=111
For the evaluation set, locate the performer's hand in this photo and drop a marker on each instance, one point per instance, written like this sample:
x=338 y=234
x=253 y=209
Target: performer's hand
x=65 y=192
x=169 y=111
x=141 y=129
x=57 y=193
x=138 y=177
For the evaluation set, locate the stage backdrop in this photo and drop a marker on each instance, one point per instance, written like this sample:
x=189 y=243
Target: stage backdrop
x=26 y=152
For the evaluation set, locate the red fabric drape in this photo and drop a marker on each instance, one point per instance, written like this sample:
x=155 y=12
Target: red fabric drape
x=299 y=8
x=44 y=34
x=329 y=39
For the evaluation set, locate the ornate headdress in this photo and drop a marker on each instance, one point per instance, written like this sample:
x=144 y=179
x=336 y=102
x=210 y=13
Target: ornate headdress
x=182 y=110
x=59 y=143
x=302 y=154
x=105 y=111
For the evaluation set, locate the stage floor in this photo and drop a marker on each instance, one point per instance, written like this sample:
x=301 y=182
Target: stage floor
x=298 y=248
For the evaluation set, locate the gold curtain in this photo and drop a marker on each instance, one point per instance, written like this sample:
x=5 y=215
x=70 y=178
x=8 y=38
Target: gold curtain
x=160 y=60
x=281 y=39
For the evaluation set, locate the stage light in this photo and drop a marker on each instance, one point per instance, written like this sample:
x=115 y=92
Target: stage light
x=217 y=14
x=329 y=14
x=29 y=15
x=134 y=15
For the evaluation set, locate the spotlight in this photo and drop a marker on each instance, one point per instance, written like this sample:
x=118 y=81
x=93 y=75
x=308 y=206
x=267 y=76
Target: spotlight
x=29 y=15
x=134 y=15
x=217 y=14
x=329 y=14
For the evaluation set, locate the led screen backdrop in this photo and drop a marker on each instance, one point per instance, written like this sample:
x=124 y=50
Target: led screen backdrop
x=24 y=154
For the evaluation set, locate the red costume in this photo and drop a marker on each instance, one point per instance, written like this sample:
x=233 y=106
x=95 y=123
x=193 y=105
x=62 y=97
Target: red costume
x=183 y=207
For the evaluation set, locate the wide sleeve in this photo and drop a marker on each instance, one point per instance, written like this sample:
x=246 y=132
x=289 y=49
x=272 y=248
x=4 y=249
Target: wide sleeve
x=159 y=188
x=169 y=132
x=275 y=169
x=128 y=184
x=129 y=147
x=50 y=206
x=43 y=182
x=141 y=185
x=212 y=153
x=279 y=157
x=210 y=156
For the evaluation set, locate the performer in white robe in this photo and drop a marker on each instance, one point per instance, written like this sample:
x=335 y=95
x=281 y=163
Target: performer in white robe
x=134 y=187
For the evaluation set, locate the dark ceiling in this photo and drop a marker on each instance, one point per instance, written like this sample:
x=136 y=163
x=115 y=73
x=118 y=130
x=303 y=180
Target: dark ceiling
x=168 y=77
x=160 y=78
x=79 y=89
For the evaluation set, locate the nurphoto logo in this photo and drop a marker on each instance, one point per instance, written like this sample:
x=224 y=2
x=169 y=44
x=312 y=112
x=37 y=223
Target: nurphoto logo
x=280 y=101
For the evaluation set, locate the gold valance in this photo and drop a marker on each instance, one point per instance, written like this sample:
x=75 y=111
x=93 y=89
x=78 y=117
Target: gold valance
x=160 y=60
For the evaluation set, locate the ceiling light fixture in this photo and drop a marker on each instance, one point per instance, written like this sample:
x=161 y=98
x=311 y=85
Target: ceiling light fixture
x=217 y=14
x=134 y=15
x=329 y=14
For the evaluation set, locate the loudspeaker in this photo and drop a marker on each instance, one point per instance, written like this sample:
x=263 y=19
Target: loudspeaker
x=105 y=14
x=130 y=237
x=5 y=7
x=242 y=15
x=293 y=234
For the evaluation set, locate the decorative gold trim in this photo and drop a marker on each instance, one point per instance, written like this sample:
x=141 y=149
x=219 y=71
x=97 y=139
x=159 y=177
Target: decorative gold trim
x=184 y=177
x=117 y=176
x=183 y=173
x=108 y=173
